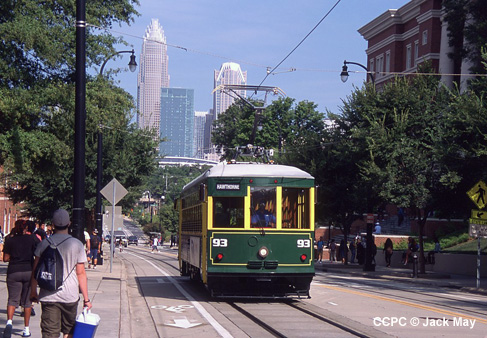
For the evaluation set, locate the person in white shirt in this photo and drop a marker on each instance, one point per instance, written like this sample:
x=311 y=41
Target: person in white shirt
x=155 y=242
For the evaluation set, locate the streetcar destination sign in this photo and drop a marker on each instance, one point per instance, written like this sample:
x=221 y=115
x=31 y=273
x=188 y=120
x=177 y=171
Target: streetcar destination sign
x=227 y=186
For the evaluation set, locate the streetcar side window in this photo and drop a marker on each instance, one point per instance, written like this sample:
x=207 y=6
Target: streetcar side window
x=263 y=207
x=295 y=208
x=228 y=212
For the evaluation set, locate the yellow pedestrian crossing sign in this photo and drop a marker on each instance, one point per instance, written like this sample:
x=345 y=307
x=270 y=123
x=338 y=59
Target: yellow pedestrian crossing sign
x=478 y=194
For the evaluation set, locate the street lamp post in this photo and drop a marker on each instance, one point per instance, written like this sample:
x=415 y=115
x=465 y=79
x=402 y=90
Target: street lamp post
x=79 y=174
x=99 y=157
x=344 y=73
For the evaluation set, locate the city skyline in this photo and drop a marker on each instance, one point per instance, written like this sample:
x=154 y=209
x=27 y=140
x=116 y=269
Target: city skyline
x=152 y=76
x=203 y=35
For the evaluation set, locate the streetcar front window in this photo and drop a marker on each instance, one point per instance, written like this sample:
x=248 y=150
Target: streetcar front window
x=228 y=212
x=263 y=207
x=295 y=208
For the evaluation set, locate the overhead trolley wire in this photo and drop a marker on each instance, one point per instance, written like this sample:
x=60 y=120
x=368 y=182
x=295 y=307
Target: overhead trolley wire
x=300 y=43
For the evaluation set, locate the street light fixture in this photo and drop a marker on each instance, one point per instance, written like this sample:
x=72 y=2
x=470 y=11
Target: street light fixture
x=132 y=64
x=344 y=73
x=99 y=158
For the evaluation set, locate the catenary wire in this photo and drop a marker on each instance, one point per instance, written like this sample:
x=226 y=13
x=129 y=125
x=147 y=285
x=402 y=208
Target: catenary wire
x=273 y=70
x=300 y=43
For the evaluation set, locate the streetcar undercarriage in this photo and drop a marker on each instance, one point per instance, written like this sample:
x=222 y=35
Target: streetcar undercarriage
x=259 y=285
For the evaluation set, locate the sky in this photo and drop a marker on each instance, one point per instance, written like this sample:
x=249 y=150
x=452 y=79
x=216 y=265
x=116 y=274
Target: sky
x=258 y=34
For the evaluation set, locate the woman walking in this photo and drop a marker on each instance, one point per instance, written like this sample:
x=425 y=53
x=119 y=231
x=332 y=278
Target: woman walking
x=18 y=251
x=388 y=250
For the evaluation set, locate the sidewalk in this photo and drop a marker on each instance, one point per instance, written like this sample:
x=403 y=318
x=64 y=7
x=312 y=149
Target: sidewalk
x=107 y=291
x=460 y=282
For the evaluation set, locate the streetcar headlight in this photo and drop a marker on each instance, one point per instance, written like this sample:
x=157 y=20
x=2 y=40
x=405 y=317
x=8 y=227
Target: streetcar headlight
x=263 y=252
x=303 y=257
x=219 y=257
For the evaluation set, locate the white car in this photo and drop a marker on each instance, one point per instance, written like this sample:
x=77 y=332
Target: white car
x=123 y=239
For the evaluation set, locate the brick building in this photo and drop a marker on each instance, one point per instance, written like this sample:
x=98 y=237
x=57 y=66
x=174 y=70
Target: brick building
x=9 y=212
x=400 y=39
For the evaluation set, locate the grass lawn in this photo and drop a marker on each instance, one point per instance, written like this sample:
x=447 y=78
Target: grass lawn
x=470 y=246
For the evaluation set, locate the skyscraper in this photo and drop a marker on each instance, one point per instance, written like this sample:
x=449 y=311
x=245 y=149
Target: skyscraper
x=199 y=133
x=229 y=73
x=152 y=76
x=177 y=122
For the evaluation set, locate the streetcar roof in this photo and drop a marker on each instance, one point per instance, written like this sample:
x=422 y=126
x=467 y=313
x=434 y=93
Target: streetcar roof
x=250 y=169
x=256 y=170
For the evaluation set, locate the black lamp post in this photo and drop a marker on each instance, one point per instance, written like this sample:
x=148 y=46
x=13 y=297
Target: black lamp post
x=344 y=73
x=78 y=216
x=99 y=157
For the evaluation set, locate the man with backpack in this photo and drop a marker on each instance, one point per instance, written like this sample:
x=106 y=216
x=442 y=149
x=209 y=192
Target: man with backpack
x=95 y=247
x=59 y=306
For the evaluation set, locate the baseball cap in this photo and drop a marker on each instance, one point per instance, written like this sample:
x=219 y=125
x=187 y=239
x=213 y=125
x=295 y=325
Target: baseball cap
x=60 y=218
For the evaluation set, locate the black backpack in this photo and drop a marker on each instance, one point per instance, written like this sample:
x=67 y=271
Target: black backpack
x=94 y=241
x=49 y=270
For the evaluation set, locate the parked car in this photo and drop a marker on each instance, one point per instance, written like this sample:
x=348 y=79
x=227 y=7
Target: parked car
x=133 y=240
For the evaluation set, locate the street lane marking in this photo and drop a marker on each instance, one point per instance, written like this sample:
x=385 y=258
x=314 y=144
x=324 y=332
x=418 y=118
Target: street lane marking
x=463 y=297
x=331 y=303
x=423 y=307
x=220 y=329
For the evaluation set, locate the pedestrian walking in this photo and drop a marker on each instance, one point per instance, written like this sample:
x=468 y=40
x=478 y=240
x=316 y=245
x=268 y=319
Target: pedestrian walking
x=360 y=252
x=333 y=249
x=388 y=251
x=342 y=251
x=95 y=247
x=86 y=236
x=18 y=251
x=353 y=249
x=319 y=246
x=1 y=243
x=59 y=307
x=155 y=242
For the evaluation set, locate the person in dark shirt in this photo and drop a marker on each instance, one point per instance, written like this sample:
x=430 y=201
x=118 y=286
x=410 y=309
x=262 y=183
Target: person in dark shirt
x=18 y=251
x=41 y=231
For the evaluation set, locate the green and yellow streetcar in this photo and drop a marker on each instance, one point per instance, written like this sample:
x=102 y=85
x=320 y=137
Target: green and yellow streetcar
x=247 y=230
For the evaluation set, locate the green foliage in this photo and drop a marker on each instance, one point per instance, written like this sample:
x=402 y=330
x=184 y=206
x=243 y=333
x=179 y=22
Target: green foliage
x=467 y=31
x=37 y=98
x=165 y=184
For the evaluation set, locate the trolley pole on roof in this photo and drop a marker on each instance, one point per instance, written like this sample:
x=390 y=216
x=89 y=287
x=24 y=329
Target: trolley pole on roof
x=232 y=90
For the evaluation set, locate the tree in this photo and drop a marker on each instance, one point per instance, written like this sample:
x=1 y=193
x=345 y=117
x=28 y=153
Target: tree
x=37 y=63
x=166 y=184
x=467 y=31
x=404 y=129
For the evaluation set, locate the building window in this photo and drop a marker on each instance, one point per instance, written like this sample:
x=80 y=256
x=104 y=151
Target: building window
x=408 y=56
x=388 y=62
x=380 y=65
x=371 y=68
x=425 y=37
x=416 y=52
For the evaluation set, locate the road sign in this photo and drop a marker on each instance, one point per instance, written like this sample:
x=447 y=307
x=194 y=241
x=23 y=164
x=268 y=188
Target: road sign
x=114 y=192
x=478 y=194
x=370 y=218
x=478 y=230
x=479 y=214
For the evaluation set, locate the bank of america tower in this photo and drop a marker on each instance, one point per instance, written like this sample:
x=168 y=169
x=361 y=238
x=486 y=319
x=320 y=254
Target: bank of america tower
x=152 y=77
